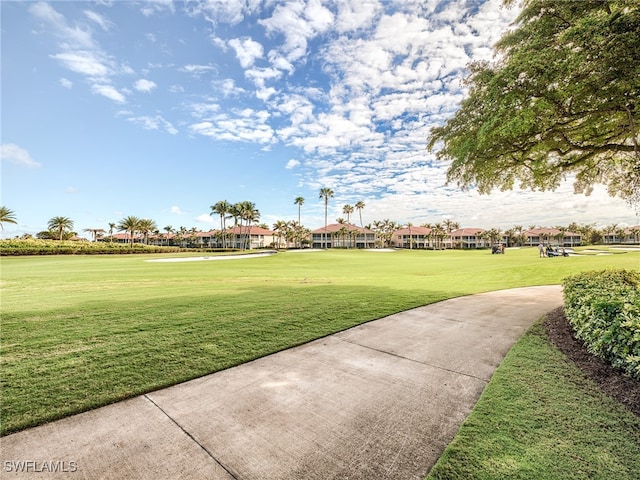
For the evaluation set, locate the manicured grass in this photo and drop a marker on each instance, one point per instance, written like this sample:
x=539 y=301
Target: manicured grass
x=83 y=331
x=539 y=417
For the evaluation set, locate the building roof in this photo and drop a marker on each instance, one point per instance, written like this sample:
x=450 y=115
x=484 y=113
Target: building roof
x=536 y=232
x=413 y=231
x=467 y=232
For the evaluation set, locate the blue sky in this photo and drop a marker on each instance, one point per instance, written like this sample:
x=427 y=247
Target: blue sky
x=159 y=109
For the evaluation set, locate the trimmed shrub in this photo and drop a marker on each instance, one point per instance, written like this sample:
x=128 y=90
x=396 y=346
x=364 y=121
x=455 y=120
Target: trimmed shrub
x=603 y=309
x=55 y=247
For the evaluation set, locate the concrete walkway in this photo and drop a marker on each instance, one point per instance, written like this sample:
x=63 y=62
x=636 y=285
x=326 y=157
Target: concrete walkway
x=378 y=401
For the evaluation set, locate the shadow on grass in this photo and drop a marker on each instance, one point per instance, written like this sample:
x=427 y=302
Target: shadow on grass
x=71 y=361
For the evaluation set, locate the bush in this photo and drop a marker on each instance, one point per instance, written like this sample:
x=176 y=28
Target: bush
x=55 y=247
x=603 y=309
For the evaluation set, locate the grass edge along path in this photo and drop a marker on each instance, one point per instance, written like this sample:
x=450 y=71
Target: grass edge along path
x=540 y=417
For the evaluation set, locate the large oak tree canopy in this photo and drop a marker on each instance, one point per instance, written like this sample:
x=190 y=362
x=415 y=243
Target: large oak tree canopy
x=562 y=99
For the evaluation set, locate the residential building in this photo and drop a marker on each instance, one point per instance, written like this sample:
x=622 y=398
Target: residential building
x=468 y=238
x=413 y=237
x=552 y=236
x=342 y=235
x=629 y=235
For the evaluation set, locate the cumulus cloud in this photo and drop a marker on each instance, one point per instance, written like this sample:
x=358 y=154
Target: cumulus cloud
x=247 y=50
x=352 y=88
x=10 y=152
x=293 y=163
x=144 y=85
x=204 y=218
x=109 y=92
x=66 y=83
x=177 y=210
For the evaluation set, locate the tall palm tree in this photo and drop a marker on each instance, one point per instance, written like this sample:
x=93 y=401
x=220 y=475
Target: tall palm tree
x=280 y=227
x=6 y=216
x=325 y=194
x=450 y=226
x=359 y=207
x=112 y=227
x=248 y=213
x=60 y=225
x=299 y=201
x=222 y=208
x=348 y=210
x=169 y=230
x=131 y=225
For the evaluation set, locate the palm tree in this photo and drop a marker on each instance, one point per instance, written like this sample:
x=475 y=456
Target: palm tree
x=409 y=225
x=562 y=231
x=325 y=194
x=281 y=227
x=621 y=232
x=299 y=201
x=145 y=227
x=169 y=230
x=359 y=207
x=94 y=232
x=606 y=231
x=348 y=210
x=222 y=208
x=7 y=216
x=247 y=212
x=450 y=226
x=112 y=226
x=60 y=225
x=131 y=225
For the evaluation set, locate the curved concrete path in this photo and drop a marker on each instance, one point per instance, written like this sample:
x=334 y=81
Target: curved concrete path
x=378 y=401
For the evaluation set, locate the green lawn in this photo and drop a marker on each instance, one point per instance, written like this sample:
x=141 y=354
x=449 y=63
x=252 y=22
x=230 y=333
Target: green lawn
x=540 y=418
x=83 y=331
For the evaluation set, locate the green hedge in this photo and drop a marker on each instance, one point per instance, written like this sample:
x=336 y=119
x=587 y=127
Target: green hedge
x=603 y=309
x=56 y=247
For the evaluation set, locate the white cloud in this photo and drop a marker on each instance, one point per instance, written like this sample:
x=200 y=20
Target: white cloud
x=176 y=210
x=110 y=92
x=224 y=11
x=156 y=122
x=144 y=85
x=75 y=35
x=247 y=50
x=205 y=218
x=66 y=83
x=11 y=152
x=292 y=164
x=84 y=62
x=197 y=69
x=98 y=19
x=227 y=87
x=355 y=15
x=151 y=7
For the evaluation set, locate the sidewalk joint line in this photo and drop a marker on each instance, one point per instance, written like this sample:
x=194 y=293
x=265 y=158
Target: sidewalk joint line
x=414 y=360
x=206 y=450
